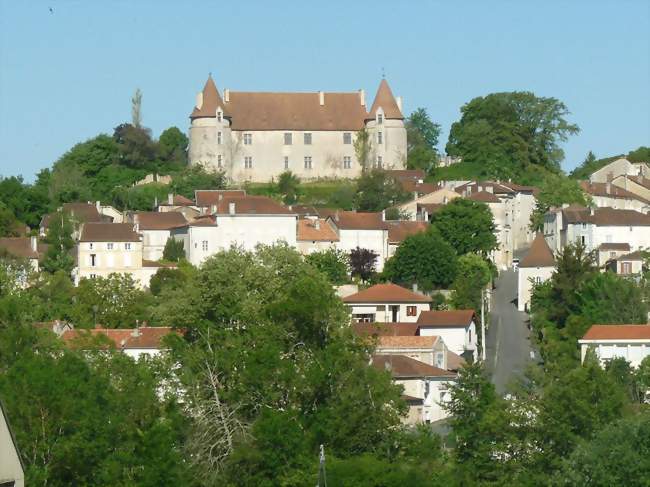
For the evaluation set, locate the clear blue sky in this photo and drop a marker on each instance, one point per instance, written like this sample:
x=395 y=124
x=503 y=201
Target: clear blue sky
x=69 y=74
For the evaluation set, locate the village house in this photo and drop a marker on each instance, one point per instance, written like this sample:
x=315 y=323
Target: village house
x=12 y=470
x=242 y=221
x=631 y=342
x=315 y=234
x=256 y=136
x=362 y=230
x=536 y=267
x=386 y=303
x=426 y=388
x=609 y=252
x=638 y=185
x=596 y=226
x=457 y=328
x=421 y=207
x=107 y=248
x=28 y=248
x=629 y=264
x=611 y=196
x=180 y=204
x=83 y=213
x=619 y=167
x=399 y=230
x=136 y=342
x=155 y=228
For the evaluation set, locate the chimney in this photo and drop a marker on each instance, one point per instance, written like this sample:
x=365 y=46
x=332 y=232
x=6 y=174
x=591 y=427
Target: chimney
x=415 y=287
x=426 y=216
x=362 y=97
x=34 y=242
x=317 y=224
x=399 y=103
x=231 y=208
x=220 y=197
x=591 y=211
x=226 y=95
x=98 y=205
x=136 y=227
x=383 y=215
x=199 y=100
x=170 y=198
x=336 y=215
x=213 y=209
x=321 y=98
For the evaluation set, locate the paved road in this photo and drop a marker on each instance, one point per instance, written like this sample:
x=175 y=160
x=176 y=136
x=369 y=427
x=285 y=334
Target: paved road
x=508 y=344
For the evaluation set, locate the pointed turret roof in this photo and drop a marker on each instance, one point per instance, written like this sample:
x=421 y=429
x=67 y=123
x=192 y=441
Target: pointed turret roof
x=385 y=99
x=211 y=100
x=539 y=254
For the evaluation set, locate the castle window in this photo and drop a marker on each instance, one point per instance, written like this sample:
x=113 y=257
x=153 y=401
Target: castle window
x=219 y=138
x=219 y=116
x=286 y=162
x=219 y=161
x=347 y=138
x=248 y=139
x=380 y=137
x=347 y=162
x=93 y=260
x=248 y=162
x=204 y=245
x=308 y=138
x=307 y=162
x=127 y=246
x=380 y=118
x=109 y=246
x=380 y=161
x=288 y=138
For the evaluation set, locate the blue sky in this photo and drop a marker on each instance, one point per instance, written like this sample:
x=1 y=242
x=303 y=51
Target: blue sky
x=69 y=74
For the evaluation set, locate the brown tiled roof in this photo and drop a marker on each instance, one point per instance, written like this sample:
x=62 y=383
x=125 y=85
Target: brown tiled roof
x=610 y=191
x=80 y=212
x=211 y=101
x=539 y=254
x=203 y=221
x=180 y=200
x=386 y=293
x=307 y=231
x=454 y=361
x=420 y=188
x=251 y=205
x=326 y=212
x=641 y=180
x=638 y=255
x=618 y=332
x=399 y=230
x=402 y=366
x=606 y=217
x=484 y=197
x=522 y=189
x=207 y=197
x=19 y=247
x=149 y=337
x=475 y=187
x=454 y=318
x=351 y=220
x=108 y=232
x=405 y=341
x=615 y=246
x=155 y=220
x=407 y=174
x=385 y=329
x=385 y=99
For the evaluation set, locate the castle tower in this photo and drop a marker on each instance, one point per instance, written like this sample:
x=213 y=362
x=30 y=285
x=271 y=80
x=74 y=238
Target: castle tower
x=210 y=134
x=385 y=124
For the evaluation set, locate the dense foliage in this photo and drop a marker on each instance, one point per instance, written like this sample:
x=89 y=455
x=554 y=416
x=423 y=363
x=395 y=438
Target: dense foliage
x=467 y=226
x=592 y=164
x=422 y=138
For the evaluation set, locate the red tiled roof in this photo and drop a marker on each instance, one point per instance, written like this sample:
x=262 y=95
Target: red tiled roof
x=615 y=246
x=155 y=220
x=19 y=247
x=407 y=174
x=420 y=188
x=605 y=216
x=484 y=197
x=610 y=191
x=539 y=254
x=251 y=205
x=405 y=341
x=399 y=230
x=351 y=220
x=307 y=231
x=108 y=232
x=385 y=99
x=147 y=337
x=208 y=197
x=180 y=200
x=638 y=255
x=386 y=329
x=454 y=318
x=402 y=366
x=386 y=293
x=618 y=332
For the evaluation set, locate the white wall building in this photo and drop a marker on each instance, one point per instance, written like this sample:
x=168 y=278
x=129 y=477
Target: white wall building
x=256 y=136
x=155 y=228
x=315 y=234
x=611 y=196
x=631 y=342
x=387 y=303
x=362 y=230
x=536 y=267
x=457 y=329
x=619 y=167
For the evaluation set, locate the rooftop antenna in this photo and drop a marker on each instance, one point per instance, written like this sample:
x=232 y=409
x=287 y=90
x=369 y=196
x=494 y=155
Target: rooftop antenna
x=383 y=73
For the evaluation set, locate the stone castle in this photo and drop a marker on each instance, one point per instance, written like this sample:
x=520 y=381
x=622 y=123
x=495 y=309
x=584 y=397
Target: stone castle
x=256 y=136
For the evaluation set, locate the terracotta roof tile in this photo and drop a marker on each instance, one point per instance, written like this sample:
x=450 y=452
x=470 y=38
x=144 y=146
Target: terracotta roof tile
x=180 y=200
x=404 y=341
x=539 y=254
x=211 y=101
x=615 y=246
x=385 y=329
x=109 y=232
x=155 y=220
x=484 y=197
x=251 y=205
x=454 y=361
x=605 y=216
x=386 y=293
x=399 y=230
x=407 y=174
x=402 y=366
x=610 y=191
x=147 y=337
x=420 y=188
x=452 y=319
x=618 y=332
x=307 y=230
x=385 y=99
x=351 y=220
x=208 y=197
x=20 y=247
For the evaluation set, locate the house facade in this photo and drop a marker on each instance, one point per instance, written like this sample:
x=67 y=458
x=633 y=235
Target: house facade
x=457 y=329
x=536 y=267
x=386 y=303
x=619 y=167
x=631 y=342
x=256 y=136
x=315 y=234
x=362 y=230
x=416 y=208
x=28 y=248
x=611 y=196
x=155 y=228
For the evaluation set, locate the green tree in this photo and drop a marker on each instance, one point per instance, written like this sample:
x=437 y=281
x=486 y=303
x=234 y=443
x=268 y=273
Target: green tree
x=507 y=132
x=608 y=298
x=174 y=250
x=556 y=190
x=289 y=187
x=9 y=224
x=334 y=263
x=196 y=177
x=377 y=190
x=172 y=147
x=166 y=278
x=425 y=259
x=422 y=138
x=473 y=274
x=467 y=226
x=362 y=148
x=60 y=244
x=642 y=379
x=135 y=147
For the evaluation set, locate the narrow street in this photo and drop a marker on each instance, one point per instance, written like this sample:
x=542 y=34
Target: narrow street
x=508 y=344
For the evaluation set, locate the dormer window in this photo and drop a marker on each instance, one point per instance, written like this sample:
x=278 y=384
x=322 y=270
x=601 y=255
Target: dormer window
x=380 y=118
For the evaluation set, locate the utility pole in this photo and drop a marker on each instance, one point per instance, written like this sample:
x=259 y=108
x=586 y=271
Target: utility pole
x=322 y=477
x=483 y=324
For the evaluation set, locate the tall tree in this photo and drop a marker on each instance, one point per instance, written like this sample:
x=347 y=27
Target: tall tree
x=467 y=225
x=363 y=263
x=362 y=148
x=58 y=256
x=472 y=276
x=422 y=138
x=334 y=263
x=289 y=187
x=378 y=190
x=136 y=109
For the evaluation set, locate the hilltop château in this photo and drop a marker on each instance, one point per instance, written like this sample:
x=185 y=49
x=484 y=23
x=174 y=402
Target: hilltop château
x=255 y=136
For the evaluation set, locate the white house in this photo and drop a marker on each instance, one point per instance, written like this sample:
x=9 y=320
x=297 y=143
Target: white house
x=619 y=167
x=28 y=248
x=630 y=264
x=315 y=234
x=438 y=197
x=609 y=252
x=638 y=185
x=426 y=388
x=242 y=221
x=631 y=342
x=536 y=267
x=12 y=472
x=387 y=303
x=363 y=230
x=457 y=328
x=612 y=196
x=155 y=228
x=180 y=204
